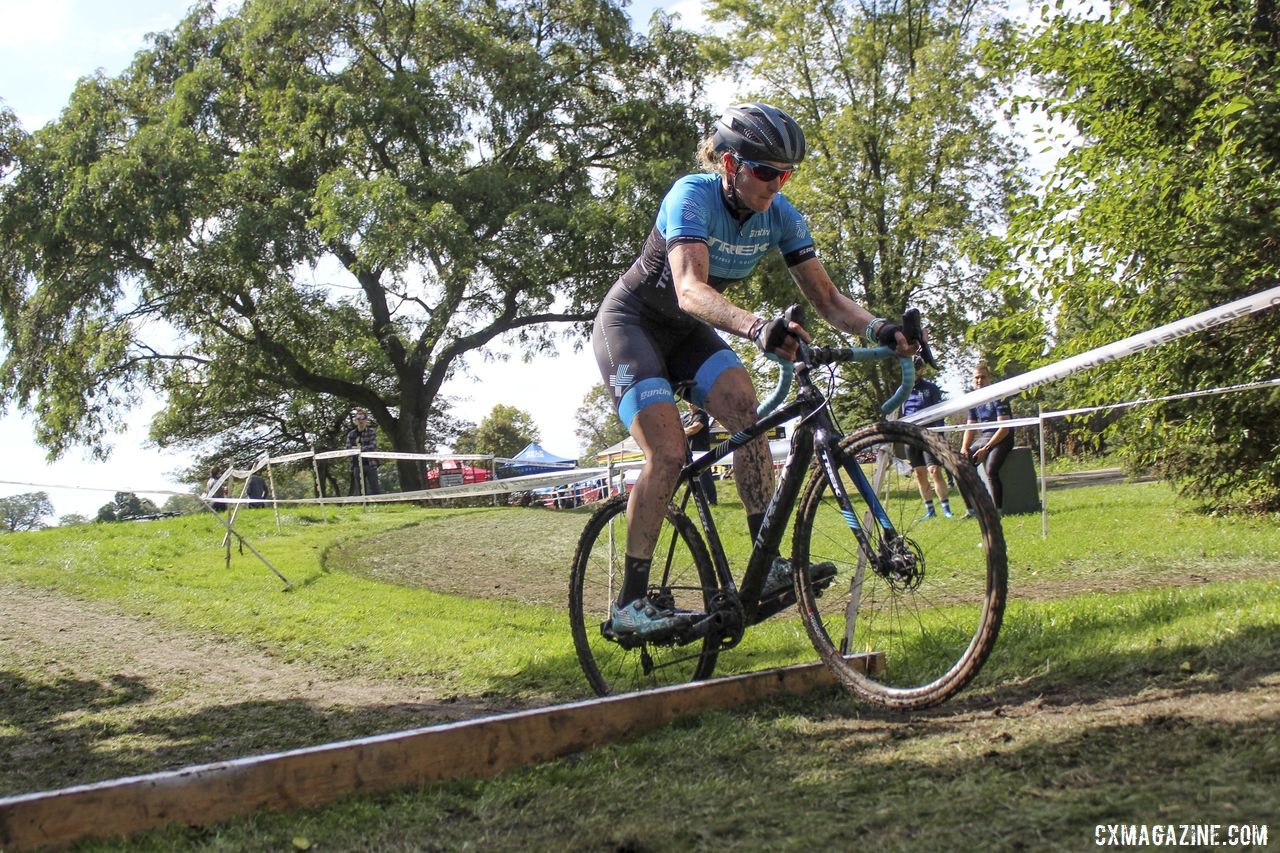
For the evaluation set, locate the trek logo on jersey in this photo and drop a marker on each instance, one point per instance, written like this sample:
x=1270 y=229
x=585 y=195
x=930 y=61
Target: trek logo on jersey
x=722 y=247
x=621 y=380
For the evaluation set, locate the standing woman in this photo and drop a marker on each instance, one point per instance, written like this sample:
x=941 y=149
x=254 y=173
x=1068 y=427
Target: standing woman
x=994 y=444
x=657 y=327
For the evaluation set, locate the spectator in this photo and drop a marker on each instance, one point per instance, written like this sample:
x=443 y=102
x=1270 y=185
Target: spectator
x=993 y=444
x=923 y=395
x=366 y=438
x=697 y=427
x=256 y=490
x=215 y=474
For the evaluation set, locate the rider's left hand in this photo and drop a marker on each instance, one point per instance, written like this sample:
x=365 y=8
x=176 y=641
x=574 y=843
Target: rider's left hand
x=891 y=335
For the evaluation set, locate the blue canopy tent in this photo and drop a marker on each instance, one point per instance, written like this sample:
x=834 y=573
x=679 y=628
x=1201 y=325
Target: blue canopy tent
x=535 y=460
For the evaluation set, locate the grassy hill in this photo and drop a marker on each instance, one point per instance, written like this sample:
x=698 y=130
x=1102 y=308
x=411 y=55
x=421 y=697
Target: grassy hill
x=1137 y=679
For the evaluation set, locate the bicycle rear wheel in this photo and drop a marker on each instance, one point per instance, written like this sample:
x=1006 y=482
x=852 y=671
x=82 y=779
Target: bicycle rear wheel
x=929 y=608
x=681 y=569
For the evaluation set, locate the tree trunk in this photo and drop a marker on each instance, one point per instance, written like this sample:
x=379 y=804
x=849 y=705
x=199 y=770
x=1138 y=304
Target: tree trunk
x=410 y=436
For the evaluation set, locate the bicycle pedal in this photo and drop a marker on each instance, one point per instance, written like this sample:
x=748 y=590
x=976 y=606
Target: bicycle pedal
x=824 y=575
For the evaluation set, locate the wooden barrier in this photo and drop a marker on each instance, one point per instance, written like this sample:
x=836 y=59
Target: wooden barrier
x=309 y=777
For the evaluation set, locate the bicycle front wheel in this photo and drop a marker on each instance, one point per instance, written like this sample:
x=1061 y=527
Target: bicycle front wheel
x=681 y=571
x=921 y=612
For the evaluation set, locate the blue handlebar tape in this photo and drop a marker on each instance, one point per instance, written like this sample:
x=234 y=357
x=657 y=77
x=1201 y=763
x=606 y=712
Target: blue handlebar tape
x=908 y=381
x=783 y=388
x=786 y=369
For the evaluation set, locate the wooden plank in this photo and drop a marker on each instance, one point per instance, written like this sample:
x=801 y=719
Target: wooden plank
x=312 y=776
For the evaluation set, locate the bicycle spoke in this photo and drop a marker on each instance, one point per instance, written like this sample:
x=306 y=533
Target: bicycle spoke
x=681 y=570
x=929 y=602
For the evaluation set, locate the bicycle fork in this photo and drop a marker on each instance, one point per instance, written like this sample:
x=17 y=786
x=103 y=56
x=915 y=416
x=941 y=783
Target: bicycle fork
x=876 y=515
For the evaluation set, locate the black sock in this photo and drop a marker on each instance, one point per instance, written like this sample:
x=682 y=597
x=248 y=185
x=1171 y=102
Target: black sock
x=635 y=584
x=753 y=525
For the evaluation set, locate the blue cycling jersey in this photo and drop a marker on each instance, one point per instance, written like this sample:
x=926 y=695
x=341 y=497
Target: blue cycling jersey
x=991 y=411
x=643 y=341
x=695 y=209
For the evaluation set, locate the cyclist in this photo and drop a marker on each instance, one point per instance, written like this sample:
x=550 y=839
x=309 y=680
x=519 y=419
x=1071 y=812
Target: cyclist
x=656 y=327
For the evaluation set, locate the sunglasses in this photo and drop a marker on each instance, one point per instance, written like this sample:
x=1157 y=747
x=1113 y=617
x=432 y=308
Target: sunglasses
x=764 y=172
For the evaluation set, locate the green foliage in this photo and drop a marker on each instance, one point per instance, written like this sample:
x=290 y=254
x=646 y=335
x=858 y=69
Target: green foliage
x=1167 y=203
x=598 y=423
x=504 y=432
x=26 y=511
x=126 y=506
x=909 y=174
x=329 y=204
x=182 y=505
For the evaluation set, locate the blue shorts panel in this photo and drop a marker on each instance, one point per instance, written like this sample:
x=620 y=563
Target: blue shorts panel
x=710 y=371
x=642 y=394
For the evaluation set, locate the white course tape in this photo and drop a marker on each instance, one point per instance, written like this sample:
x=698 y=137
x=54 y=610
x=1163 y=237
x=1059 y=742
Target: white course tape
x=337 y=454
x=987 y=426
x=1248 y=386
x=1101 y=355
x=489 y=487
x=291 y=457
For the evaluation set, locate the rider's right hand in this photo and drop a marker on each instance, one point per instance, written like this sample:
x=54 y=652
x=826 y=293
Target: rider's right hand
x=769 y=334
x=778 y=336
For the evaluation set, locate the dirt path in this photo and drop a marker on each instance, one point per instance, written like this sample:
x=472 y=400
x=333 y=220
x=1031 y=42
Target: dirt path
x=71 y=633
x=88 y=693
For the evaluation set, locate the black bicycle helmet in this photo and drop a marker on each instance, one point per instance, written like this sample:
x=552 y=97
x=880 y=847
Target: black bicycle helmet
x=760 y=132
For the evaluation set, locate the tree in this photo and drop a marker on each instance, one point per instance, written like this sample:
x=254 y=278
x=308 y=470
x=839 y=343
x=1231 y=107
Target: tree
x=1166 y=204
x=247 y=420
x=504 y=432
x=25 y=511
x=909 y=174
x=345 y=199
x=183 y=505
x=71 y=519
x=124 y=506
x=598 y=423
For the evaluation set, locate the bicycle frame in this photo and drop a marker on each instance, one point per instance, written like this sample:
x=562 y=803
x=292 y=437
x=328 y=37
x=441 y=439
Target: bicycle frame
x=917 y=597
x=815 y=435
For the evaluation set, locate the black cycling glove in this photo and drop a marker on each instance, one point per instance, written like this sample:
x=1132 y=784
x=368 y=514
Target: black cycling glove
x=884 y=333
x=770 y=334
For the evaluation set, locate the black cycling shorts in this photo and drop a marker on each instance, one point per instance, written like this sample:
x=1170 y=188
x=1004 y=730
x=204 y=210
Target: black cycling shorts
x=642 y=355
x=919 y=457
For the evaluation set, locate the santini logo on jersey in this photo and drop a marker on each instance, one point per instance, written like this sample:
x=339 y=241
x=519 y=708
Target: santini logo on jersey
x=748 y=251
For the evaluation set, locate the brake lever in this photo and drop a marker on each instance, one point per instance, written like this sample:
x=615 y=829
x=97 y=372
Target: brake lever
x=913 y=330
x=794 y=314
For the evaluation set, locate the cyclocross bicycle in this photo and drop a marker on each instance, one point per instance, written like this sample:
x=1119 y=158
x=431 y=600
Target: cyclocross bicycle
x=903 y=610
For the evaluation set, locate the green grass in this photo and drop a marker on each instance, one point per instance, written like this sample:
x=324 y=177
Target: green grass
x=175 y=572
x=1056 y=464
x=1135 y=533
x=1135 y=680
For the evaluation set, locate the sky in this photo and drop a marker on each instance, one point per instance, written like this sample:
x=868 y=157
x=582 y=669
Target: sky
x=45 y=47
